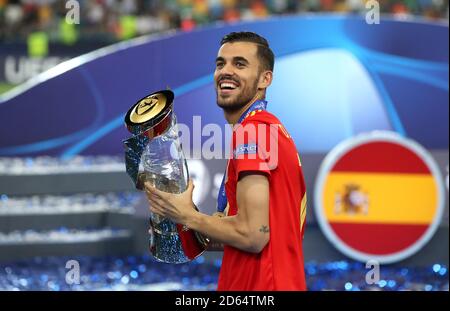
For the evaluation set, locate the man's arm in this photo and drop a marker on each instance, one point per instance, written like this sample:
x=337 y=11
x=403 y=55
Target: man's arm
x=248 y=230
x=215 y=246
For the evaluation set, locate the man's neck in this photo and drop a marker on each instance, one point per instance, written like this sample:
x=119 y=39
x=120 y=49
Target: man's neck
x=232 y=117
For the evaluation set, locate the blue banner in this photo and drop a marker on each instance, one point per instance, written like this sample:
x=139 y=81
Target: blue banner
x=335 y=77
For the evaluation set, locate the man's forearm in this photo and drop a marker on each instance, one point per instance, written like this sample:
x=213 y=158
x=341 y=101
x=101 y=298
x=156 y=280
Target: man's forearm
x=222 y=230
x=215 y=246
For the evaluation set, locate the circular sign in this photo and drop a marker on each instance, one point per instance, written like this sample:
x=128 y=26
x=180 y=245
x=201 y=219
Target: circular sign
x=379 y=196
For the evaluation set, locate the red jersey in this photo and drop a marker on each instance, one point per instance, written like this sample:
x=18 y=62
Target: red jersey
x=269 y=149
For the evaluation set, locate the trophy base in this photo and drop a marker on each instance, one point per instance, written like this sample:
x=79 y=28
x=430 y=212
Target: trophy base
x=171 y=242
x=180 y=246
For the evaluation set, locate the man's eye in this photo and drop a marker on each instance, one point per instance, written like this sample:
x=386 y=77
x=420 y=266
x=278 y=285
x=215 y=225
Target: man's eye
x=219 y=65
x=240 y=65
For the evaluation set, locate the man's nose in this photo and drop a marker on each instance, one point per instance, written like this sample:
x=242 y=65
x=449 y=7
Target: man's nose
x=227 y=69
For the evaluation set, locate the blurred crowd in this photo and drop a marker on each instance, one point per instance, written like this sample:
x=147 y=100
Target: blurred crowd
x=113 y=20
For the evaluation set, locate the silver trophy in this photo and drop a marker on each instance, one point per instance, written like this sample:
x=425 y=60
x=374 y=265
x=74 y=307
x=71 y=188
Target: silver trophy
x=154 y=154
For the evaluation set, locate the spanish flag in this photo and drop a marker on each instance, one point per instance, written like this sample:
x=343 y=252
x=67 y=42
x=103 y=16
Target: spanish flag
x=380 y=198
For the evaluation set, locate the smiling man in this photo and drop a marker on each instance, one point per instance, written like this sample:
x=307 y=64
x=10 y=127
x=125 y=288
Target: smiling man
x=262 y=201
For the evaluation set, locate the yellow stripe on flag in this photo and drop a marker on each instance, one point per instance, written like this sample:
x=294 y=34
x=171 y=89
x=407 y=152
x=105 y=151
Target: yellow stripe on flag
x=391 y=198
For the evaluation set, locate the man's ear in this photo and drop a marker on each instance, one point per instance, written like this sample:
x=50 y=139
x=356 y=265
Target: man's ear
x=265 y=79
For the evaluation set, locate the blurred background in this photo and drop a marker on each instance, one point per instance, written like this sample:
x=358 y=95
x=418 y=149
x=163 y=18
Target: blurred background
x=24 y=23
x=67 y=80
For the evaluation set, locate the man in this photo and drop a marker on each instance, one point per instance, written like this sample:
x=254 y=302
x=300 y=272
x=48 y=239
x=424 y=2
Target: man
x=263 y=196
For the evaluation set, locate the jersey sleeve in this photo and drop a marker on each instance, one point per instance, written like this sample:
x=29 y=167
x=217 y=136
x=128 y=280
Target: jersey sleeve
x=255 y=147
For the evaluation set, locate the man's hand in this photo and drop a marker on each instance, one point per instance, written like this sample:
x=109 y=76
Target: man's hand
x=177 y=207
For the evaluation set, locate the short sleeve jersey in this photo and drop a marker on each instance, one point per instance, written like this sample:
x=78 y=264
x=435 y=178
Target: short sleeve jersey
x=261 y=144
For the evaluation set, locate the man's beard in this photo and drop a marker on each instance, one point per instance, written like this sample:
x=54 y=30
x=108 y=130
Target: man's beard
x=230 y=105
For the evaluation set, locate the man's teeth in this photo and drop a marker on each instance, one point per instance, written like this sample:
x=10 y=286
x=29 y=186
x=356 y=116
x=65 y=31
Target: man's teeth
x=227 y=86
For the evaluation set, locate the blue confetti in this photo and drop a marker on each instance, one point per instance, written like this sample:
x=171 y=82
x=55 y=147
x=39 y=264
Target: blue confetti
x=436 y=268
x=131 y=272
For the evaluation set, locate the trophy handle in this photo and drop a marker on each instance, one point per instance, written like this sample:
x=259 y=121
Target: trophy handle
x=185 y=166
x=187 y=171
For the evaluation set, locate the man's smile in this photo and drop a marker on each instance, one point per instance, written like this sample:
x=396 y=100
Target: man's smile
x=227 y=86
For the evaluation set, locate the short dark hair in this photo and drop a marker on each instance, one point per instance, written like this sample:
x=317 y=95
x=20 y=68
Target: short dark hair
x=264 y=52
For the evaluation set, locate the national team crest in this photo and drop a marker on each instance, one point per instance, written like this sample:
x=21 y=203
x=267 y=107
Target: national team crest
x=352 y=200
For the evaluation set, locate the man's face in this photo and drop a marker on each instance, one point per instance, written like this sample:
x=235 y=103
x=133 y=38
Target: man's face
x=236 y=75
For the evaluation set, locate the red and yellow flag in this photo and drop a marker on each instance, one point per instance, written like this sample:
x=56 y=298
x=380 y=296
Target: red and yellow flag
x=379 y=198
